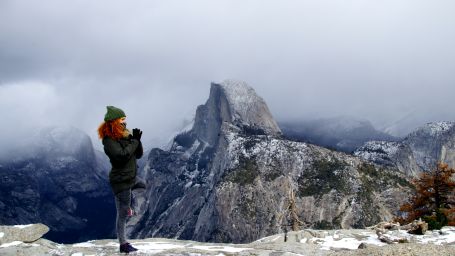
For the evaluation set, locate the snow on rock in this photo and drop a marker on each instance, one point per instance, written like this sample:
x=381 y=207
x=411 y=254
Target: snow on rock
x=155 y=247
x=346 y=243
x=23 y=226
x=421 y=150
x=436 y=128
x=374 y=150
x=330 y=240
x=221 y=248
x=304 y=242
x=14 y=243
x=444 y=236
x=84 y=244
x=338 y=241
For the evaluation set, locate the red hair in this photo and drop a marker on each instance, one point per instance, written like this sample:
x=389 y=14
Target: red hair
x=113 y=129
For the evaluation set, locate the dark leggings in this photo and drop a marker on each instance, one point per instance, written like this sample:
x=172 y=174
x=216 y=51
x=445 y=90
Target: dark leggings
x=122 y=203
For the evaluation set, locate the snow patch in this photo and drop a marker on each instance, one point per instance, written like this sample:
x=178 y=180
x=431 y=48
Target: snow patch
x=23 y=226
x=445 y=236
x=56 y=252
x=221 y=248
x=14 y=243
x=155 y=247
x=351 y=243
x=266 y=239
x=84 y=244
x=345 y=243
x=193 y=148
x=2 y=234
x=375 y=150
x=439 y=127
x=188 y=184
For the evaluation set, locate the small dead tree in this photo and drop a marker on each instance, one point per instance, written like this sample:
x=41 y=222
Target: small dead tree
x=295 y=222
x=290 y=215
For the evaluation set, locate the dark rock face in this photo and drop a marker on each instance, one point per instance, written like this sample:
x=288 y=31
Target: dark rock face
x=228 y=179
x=421 y=150
x=58 y=181
x=341 y=133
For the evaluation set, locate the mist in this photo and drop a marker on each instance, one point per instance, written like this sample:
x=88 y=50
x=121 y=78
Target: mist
x=62 y=63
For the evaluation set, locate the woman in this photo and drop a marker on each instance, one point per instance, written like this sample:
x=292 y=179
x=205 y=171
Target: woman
x=122 y=148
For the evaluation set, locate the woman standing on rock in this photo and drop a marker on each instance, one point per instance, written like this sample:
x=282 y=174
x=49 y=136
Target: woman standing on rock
x=122 y=148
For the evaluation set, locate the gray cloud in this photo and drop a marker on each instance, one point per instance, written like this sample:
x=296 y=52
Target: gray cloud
x=379 y=60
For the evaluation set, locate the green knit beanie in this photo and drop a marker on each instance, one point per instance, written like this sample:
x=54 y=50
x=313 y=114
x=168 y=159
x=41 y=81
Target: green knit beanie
x=113 y=113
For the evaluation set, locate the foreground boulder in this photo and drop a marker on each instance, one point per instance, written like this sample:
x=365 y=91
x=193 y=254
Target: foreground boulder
x=22 y=233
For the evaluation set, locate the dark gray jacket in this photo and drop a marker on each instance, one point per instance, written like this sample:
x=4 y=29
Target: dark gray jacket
x=123 y=154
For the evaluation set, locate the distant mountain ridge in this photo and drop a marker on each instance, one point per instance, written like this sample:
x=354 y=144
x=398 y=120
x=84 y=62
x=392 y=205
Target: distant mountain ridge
x=59 y=180
x=341 y=133
x=420 y=151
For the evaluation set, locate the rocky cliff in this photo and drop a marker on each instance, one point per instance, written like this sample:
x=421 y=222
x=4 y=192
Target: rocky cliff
x=57 y=179
x=229 y=178
x=421 y=150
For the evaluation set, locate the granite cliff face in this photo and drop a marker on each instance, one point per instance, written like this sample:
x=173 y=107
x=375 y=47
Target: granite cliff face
x=228 y=178
x=236 y=103
x=57 y=179
x=421 y=150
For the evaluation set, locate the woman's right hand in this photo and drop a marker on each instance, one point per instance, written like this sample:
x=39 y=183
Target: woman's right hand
x=137 y=134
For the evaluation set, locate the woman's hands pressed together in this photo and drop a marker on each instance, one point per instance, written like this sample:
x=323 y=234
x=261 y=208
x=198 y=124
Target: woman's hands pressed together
x=137 y=134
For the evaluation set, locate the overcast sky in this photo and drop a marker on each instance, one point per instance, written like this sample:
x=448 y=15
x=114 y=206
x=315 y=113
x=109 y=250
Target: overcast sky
x=62 y=62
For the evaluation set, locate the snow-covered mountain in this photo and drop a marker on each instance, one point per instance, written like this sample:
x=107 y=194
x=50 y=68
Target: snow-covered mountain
x=341 y=133
x=57 y=178
x=229 y=178
x=421 y=150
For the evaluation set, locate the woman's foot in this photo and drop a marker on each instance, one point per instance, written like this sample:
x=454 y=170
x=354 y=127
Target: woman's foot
x=127 y=248
x=130 y=212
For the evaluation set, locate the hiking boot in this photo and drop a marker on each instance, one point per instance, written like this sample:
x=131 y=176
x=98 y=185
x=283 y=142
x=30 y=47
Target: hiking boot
x=127 y=248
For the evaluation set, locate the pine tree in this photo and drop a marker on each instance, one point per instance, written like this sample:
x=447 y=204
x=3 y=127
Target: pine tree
x=433 y=200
